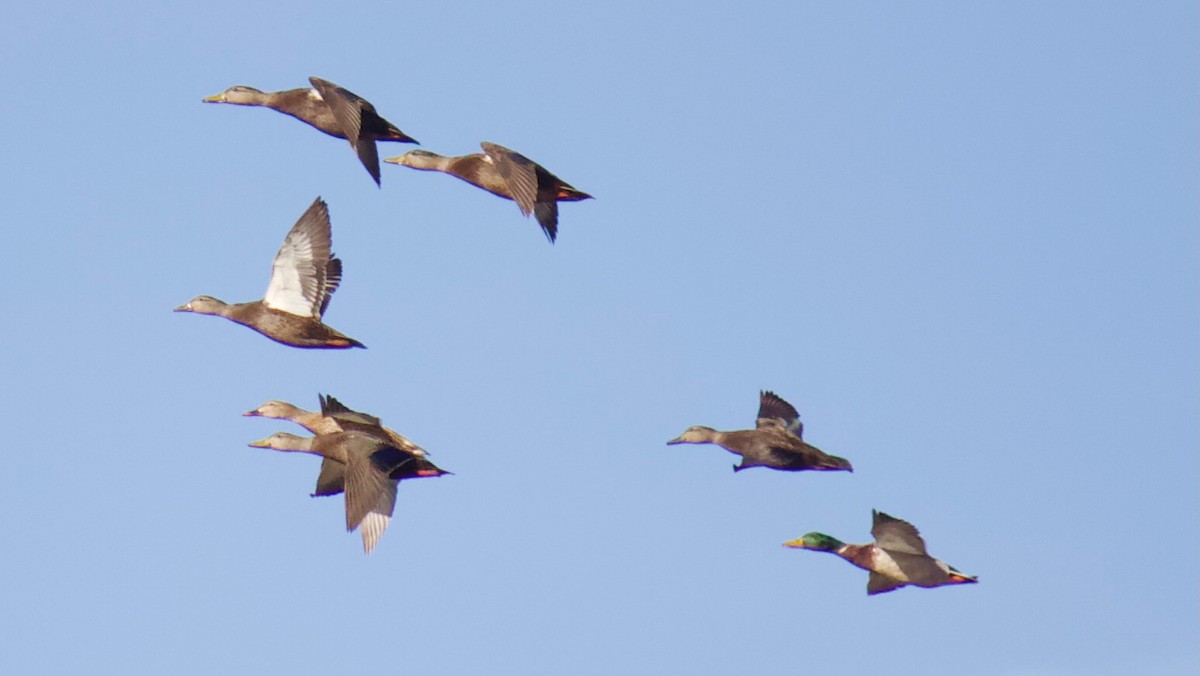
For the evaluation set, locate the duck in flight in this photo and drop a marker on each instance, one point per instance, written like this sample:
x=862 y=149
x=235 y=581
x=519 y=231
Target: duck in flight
x=777 y=441
x=336 y=417
x=896 y=558
x=303 y=278
x=505 y=173
x=335 y=110
x=373 y=468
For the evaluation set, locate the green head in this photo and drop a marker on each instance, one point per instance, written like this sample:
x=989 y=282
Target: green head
x=818 y=541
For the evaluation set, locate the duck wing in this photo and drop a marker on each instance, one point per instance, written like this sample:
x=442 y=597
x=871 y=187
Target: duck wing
x=546 y=213
x=896 y=535
x=349 y=419
x=345 y=105
x=332 y=408
x=301 y=283
x=331 y=480
x=519 y=174
x=879 y=584
x=794 y=454
x=347 y=108
x=376 y=520
x=370 y=493
x=773 y=411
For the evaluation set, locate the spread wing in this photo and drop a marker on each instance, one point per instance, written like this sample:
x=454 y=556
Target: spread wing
x=896 y=535
x=348 y=418
x=332 y=408
x=370 y=498
x=773 y=411
x=347 y=108
x=300 y=280
x=345 y=105
x=519 y=174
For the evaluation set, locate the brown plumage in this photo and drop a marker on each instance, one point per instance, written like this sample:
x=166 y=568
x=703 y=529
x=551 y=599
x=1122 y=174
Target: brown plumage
x=505 y=173
x=303 y=278
x=336 y=417
x=372 y=470
x=334 y=110
x=776 y=442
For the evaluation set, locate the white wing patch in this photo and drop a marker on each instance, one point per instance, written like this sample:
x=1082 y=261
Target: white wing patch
x=372 y=527
x=376 y=521
x=298 y=274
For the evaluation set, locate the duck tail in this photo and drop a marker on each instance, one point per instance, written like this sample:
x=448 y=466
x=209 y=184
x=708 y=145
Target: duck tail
x=832 y=463
x=568 y=194
x=394 y=134
x=956 y=577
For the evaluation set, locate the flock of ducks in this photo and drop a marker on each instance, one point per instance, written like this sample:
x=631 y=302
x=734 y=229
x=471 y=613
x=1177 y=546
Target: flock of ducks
x=365 y=460
x=896 y=558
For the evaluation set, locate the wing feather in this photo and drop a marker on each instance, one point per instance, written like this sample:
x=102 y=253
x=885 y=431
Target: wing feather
x=773 y=411
x=896 y=535
x=300 y=284
x=345 y=105
x=519 y=174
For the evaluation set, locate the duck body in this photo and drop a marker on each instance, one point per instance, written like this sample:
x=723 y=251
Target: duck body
x=303 y=278
x=277 y=325
x=370 y=463
x=504 y=173
x=896 y=559
x=776 y=442
x=766 y=448
x=330 y=108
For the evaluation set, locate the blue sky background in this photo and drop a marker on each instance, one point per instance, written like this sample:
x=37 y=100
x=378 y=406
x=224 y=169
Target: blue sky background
x=961 y=238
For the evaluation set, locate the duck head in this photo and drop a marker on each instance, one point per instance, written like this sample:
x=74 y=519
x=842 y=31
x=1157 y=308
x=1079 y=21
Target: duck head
x=280 y=410
x=203 y=305
x=696 y=434
x=240 y=95
x=818 y=541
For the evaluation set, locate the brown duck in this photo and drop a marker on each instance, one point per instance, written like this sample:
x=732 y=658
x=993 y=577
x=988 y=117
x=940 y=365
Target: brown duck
x=304 y=276
x=896 y=558
x=336 y=417
x=334 y=110
x=776 y=442
x=373 y=467
x=505 y=173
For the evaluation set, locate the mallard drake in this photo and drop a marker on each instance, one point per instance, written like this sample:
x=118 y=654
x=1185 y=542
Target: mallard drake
x=505 y=173
x=336 y=417
x=335 y=110
x=776 y=442
x=896 y=558
x=373 y=467
x=304 y=276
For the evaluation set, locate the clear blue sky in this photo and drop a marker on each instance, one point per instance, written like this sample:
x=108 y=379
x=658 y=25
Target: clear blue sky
x=961 y=238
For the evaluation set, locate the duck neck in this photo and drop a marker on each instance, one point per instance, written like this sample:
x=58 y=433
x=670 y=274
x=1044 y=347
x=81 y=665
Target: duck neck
x=314 y=422
x=295 y=444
